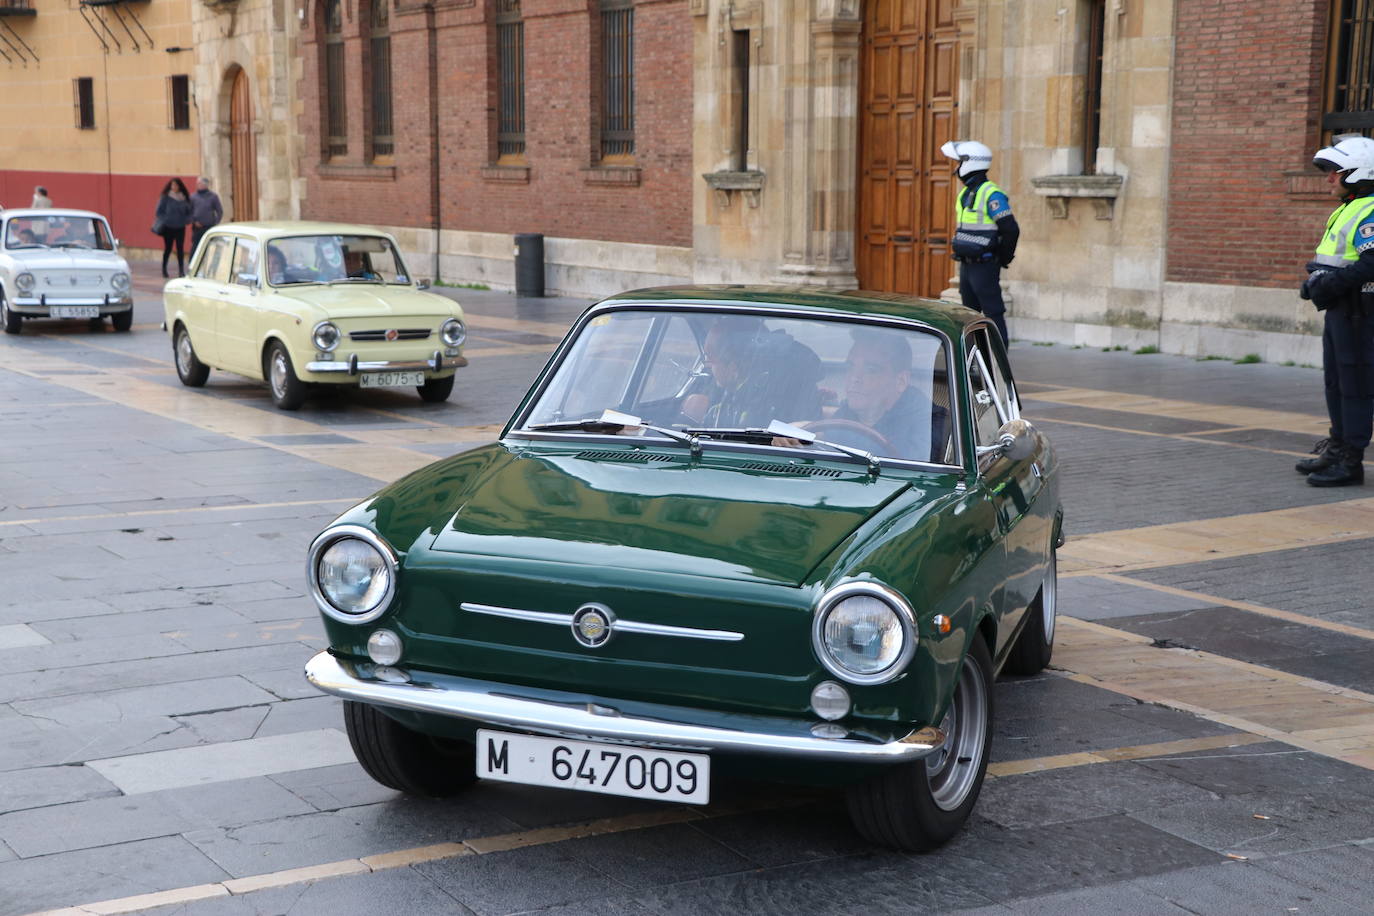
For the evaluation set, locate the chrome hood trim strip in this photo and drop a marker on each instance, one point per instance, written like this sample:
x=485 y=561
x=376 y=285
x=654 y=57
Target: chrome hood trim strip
x=618 y=625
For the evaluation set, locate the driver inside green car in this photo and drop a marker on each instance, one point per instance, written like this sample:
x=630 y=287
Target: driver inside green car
x=760 y=376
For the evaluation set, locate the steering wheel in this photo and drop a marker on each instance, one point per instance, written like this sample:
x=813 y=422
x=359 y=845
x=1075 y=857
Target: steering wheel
x=876 y=441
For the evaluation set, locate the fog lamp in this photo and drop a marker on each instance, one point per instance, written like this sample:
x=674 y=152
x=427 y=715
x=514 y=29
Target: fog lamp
x=384 y=647
x=830 y=701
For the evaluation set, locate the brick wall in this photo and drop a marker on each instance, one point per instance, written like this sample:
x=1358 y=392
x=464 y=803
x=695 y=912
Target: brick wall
x=563 y=193
x=1247 y=102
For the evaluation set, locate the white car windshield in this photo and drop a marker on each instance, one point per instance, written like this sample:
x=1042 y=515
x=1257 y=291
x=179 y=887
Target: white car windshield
x=332 y=259
x=57 y=232
x=861 y=384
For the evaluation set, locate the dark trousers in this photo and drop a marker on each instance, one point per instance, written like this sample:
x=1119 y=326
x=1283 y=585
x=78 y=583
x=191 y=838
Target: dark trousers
x=980 y=287
x=1348 y=366
x=172 y=237
x=197 y=233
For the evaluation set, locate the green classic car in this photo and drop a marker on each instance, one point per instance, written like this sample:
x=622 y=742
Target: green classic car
x=301 y=304
x=776 y=532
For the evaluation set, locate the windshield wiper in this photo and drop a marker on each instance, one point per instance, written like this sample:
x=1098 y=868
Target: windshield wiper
x=355 y=280
x=26 y=245
x=778 y=429
x=613 y=421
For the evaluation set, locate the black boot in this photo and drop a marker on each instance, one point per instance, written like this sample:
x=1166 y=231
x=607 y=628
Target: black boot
x=1325 y=450
x=1347 y=470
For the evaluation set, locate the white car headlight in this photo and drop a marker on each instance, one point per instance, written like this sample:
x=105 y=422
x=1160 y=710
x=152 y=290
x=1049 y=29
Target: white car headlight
x=352 y=574
x=326 y=336
x=453 y=332
x=120 y=282
x=864 y=633
x=24 y=282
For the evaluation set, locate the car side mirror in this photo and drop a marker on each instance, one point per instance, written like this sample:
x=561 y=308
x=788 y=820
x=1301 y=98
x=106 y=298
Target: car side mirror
x=1016 y=440
x=246 y=279
x=422 y=284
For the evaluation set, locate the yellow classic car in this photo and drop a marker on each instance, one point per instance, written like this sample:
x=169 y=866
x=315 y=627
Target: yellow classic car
x=299 y=304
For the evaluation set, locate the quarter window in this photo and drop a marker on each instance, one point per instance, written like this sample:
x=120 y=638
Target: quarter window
x=214 y=264
x=246 y=262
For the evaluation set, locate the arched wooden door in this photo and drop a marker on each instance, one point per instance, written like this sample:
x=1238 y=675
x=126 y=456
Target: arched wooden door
x=909 y=78
x=243 y=158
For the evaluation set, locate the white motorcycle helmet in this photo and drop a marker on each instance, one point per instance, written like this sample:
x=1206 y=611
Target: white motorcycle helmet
x=1353 y=157
x=971 y=155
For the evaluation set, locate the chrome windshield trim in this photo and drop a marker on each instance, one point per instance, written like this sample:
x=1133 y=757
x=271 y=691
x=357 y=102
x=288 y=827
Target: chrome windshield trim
x=617 y=625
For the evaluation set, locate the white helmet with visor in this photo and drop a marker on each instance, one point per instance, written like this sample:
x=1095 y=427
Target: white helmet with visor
x=971 y=155
x=1353 y=157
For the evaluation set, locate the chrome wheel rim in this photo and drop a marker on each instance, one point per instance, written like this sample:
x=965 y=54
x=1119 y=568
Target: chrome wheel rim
x=953 y=770
x=279 y=373
x=1048 y=597
x=184 y=353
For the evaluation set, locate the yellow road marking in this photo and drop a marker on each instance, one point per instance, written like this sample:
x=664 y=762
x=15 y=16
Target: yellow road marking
x=1223 y=415
x=1290 y=616
x=139 y=513
x=1117 y=754
x=548 y=328
x=1185 y=437
x=1217 y=538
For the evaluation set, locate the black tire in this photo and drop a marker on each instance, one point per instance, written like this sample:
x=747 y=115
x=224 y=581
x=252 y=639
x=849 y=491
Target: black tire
x=122 y=321
x=288 y=391
x=406 y=760
x=13 y=322
x=436 y=390
x=1033 y=648
x=919 y=806
x=190 y=369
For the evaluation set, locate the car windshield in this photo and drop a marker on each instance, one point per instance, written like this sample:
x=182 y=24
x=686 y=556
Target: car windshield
x=728 y=376
x=57 y=232
x=334 y=259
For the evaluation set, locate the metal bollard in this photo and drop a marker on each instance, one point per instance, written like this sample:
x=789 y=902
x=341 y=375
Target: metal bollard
x=529 y=264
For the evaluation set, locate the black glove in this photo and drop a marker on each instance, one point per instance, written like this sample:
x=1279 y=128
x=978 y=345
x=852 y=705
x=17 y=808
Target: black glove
x=1313 y=282
x=1006 y=262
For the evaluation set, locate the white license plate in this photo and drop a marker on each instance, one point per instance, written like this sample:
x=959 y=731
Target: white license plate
x=390 y=379
x=612 y=769
x=74 y=311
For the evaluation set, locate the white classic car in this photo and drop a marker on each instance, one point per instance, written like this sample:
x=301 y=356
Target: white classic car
x=61 y=264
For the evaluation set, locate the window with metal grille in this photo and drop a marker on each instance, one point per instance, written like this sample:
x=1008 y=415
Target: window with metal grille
x=510 y=81
x=379 y=60
x=336 y=114
x=179 y=102
x=739 y=91
x=617 y=79
x=1350 y=68
x=83 y=88
x=1092 y=94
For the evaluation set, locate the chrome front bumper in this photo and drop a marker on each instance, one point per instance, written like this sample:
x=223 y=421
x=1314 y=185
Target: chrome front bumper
x=41 y=305
x=352 y=366
x=487 y=703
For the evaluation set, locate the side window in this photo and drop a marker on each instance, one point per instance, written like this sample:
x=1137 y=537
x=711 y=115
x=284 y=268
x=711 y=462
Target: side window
x=245 y=262
x=989 y=410
x=214 y=263
x=994 y=356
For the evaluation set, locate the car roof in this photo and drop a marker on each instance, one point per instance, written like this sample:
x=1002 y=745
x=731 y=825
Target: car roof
x=948 y=317
x=276 y=228
x=47 y=211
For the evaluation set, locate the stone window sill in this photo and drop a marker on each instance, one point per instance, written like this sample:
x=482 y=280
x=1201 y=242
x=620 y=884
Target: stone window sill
x=1102 y=190
x=620 y=176
x=519 y=174
x=358 y=172
x=750 y=184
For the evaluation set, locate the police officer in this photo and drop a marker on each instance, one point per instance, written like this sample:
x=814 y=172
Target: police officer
x=1340 y=282
x=986 y=232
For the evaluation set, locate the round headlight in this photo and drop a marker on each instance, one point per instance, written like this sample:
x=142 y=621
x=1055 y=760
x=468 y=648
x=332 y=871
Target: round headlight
x=355 y=578
x=326 y=336
x=864 y=633
x=120 y=282
x=453 y=333
x=24 y=282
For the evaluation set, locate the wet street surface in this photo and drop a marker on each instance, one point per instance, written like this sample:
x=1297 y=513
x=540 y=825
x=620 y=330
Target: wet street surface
x=1204 y=742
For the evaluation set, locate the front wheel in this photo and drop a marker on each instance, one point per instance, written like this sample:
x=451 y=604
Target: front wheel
x=1032 y=650
x=12 y=321
x=436 y=390
x=919 y=806
x=406 y=760
x=122 y=321
x=288 y=391
x=190 y=369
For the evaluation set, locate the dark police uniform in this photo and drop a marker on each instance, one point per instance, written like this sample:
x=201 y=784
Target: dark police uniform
x=984 y=242
x=1341 y=283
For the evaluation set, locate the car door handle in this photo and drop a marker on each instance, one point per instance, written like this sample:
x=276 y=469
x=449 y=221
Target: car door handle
x=1035 y=469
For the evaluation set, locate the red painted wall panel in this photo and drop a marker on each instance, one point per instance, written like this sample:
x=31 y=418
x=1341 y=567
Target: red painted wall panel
x=128 y=201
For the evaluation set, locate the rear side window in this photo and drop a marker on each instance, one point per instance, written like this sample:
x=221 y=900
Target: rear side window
x=214 y=263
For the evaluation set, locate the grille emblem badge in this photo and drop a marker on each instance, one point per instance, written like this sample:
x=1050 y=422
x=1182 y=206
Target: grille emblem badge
x=593 y=625
x=392 y=334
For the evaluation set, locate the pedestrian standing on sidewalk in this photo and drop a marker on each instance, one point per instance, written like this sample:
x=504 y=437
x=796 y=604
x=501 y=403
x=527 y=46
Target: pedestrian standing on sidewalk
x=206 y=211
x=41 y=200
x=985 y=234
x=1340 y=282
x=172 y=217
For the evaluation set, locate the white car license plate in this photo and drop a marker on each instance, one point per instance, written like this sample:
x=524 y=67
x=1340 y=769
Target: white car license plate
x=612 y=769
x=74 y=311
x=390 y=379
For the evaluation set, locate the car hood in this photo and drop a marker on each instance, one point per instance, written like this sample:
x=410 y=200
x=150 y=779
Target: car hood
x=367 y=300
x=66 y=259
x=717 y=516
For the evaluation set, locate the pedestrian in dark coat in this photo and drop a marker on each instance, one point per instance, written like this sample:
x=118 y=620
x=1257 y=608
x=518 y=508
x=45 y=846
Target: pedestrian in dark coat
x=170 y=222
x=206 y=211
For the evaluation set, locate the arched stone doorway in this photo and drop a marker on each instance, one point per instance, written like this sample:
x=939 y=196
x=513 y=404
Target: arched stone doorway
x=243 y=157
x=909 y=79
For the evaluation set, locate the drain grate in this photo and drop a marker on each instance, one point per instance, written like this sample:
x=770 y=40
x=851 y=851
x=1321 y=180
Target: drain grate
x=799 y=470
x=640 y=457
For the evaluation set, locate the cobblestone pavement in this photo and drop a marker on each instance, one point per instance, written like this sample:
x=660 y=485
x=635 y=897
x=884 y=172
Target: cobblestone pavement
x=1205 y=743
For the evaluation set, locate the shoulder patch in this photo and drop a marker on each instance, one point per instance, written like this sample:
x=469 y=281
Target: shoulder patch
x=1367 y=230
x=996 y=204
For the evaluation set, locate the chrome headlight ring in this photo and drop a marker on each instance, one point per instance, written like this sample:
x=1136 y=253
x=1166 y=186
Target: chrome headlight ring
x=900 y=607
x=120 y=282
x=25 y=282
x=326 y=336
x=329 y=538
x=453 y=332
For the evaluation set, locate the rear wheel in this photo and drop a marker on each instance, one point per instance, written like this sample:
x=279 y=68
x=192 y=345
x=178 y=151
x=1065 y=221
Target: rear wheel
x=122 y=321
x=12 y=321
x=288 y=391
x=436 y=389
x=1032 y=650
x=190 y=369
x=406 y=760
x=918 y=806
